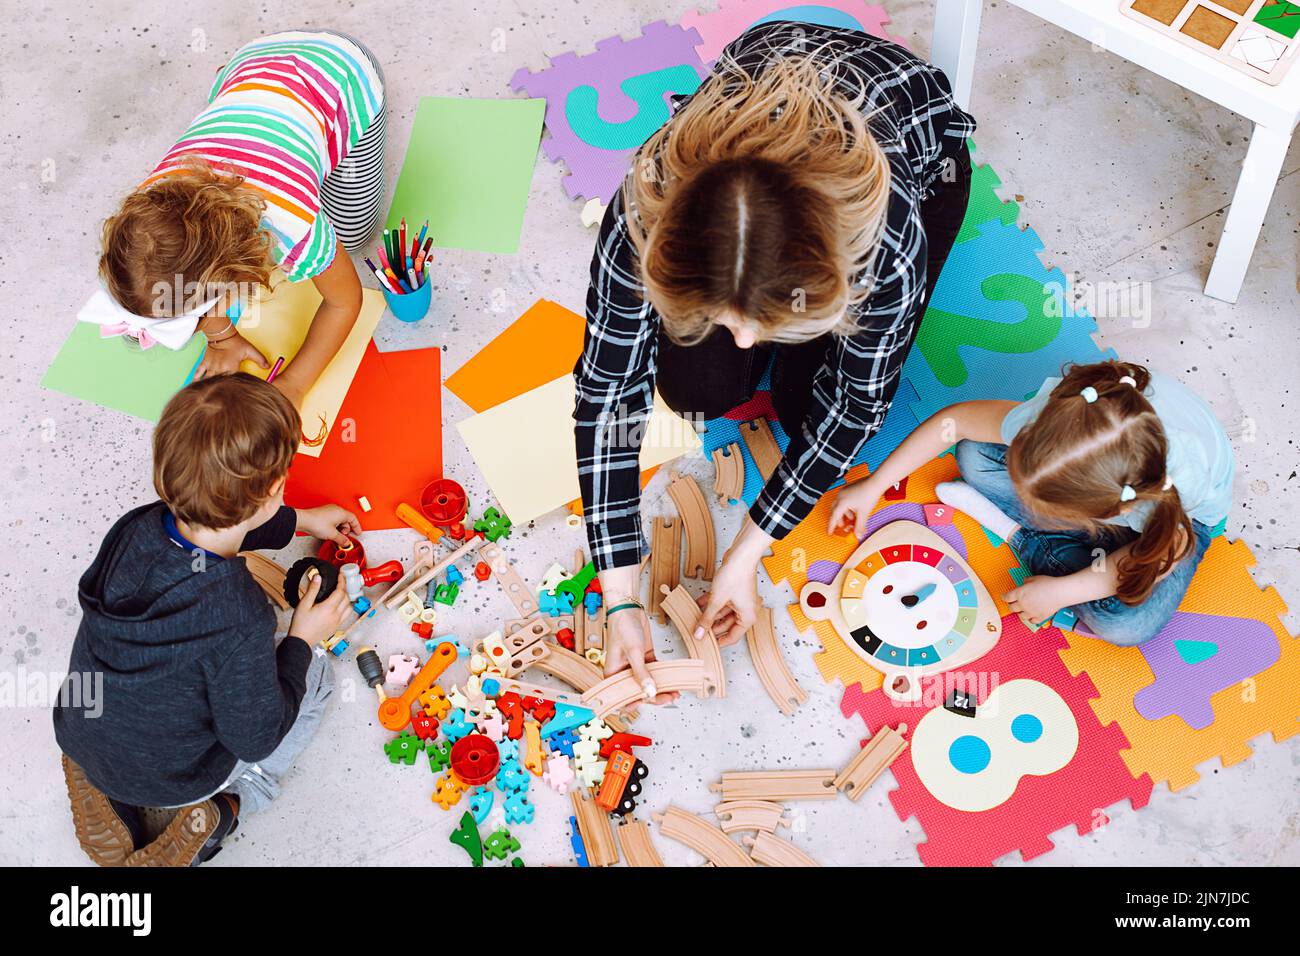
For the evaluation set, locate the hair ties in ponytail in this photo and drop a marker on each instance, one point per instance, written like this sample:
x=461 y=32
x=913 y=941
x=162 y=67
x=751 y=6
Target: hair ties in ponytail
x=1129 y=380
x=1089 y=394
x=1127 y=493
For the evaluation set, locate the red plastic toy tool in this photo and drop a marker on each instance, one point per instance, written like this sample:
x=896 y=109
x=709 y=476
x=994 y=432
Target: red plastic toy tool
x=395 y=712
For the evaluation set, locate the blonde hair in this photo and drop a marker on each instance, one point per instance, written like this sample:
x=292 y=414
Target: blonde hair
x=197 y=224
x=220 y=446
x=764 y=196
x=1071 y=465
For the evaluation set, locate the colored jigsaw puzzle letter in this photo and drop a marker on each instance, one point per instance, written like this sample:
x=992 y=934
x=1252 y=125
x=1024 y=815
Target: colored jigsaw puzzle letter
x=1195 y=657
x=646 y=90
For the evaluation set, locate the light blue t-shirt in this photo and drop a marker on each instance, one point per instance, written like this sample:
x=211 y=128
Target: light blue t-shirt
x=1199 y=460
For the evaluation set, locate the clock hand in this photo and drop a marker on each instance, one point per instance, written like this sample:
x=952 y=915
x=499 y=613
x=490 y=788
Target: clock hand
x=912 y=600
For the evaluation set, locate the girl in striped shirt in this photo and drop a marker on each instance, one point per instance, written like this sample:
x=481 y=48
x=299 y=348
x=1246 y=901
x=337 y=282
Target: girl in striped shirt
x=284 y=168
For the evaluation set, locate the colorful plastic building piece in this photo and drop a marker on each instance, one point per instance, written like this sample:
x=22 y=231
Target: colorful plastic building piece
x=423 y=629
x=492 y=726
x=541 y=708
x=566 y=638
x=404 y=748
x=402 y=667
x=559 y=773
x=563 y=742
x=575 y=587
x=623 y=742
x=518 y=809
x=513 y=711
x=447 y=791
x=454 y=576
x=446 y=594
x=511 y=777
x=533 y=748
x=553 y=576
x=456 y=725
x=424 y=726
x=439 y=755
x=575 y=840
x=500 y=844
x=567 y=716
x=482 y=571
x=466 y=836
x=434 y=702
x=480 y=803
x=592 y=602
x=493 y=525
x=595 y=729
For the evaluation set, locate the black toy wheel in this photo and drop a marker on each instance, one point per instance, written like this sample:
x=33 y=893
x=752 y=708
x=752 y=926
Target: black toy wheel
x=295 y=584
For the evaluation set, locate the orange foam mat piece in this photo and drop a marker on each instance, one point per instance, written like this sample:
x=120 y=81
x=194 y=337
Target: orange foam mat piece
x=538 y=347
x=387 y=444
x=1169 y=749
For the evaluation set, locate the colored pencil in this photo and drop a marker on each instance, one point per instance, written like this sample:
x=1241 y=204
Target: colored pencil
x=402 y=283
x=275 y=369
x=419 y=240
x=402 y=245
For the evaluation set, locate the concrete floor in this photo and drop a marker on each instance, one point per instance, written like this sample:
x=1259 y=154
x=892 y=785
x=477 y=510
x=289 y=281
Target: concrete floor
x=1123 y=175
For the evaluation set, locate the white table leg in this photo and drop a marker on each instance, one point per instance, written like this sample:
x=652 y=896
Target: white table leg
x=1250 y=202
x=952 y=45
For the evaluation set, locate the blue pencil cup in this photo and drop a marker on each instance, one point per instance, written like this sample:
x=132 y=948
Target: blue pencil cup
x=413 y=306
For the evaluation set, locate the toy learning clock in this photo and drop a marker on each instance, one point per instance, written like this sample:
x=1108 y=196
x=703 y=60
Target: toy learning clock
x=908 y=606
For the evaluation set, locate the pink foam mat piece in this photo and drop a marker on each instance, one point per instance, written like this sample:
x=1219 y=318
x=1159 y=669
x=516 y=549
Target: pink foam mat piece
x=733 y=17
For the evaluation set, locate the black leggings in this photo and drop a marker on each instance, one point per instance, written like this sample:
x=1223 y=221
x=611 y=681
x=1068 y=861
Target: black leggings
x=713 y=377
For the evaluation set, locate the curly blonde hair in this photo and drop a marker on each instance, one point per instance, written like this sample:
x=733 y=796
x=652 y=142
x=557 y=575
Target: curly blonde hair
x=764 y=196
x=197 y=228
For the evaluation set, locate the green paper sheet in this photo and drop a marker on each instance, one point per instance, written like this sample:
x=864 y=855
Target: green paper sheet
x=111 y=373
x=468 y=169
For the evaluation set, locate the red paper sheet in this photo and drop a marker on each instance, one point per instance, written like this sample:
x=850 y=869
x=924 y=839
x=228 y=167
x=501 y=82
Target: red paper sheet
x=387 y=441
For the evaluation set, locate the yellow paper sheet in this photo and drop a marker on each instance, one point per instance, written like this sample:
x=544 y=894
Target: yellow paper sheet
x=524 y=447
x=278 y=325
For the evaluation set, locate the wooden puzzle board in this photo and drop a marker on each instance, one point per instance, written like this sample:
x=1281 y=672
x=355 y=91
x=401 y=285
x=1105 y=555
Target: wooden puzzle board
x=1257 y=37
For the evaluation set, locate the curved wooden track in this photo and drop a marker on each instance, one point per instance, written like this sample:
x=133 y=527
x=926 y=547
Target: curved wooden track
x=685 y=614
x=268 y=575
x=773 y=851
x=701 y=550
x=757 y=436
x=638 y=848
x=777 y=785
x=702 y=837
x=872 y=760
x=750 y=815
x=665 y=561
x=619 y=691
x=770 y=664
x=728 y=473
x=593 y=824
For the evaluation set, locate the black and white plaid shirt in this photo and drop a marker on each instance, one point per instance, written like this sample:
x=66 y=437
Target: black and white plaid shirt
x=919 y=127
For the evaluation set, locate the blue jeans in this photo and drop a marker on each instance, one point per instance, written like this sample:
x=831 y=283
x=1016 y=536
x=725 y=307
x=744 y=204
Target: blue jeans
x=1056 y=553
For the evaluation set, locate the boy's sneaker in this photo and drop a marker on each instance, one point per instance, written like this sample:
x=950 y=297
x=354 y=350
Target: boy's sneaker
x=108 y=832
x=185 y=839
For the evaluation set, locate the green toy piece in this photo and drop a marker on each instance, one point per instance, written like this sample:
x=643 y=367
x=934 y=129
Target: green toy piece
x=404 y=748
x=517 y=861
x=576 y=586
x=439 y=755
x=493 y=525
x=446 y=594
x=500 y=844
x=466 y=836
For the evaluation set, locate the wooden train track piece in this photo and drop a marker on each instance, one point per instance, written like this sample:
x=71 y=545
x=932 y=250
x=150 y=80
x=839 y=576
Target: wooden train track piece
x=871 y=761
x=580 y=618
x=728 y=473
x=392 y=599
x=593 y=825
x=750 y=815
x=578 y=672
x=517 y=591
x=685 y=614
x=777 y=785
x=701 y=550
x=268 y=575
x=773 y=851
x=620 y=691
x=701 y=836
x=770 y=664
x=665 y=561
x=757 y=436
x=638 y=848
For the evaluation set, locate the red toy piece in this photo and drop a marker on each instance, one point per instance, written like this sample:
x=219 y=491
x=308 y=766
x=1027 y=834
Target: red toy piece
x=481 y=571
x=593 y=587
x=389 y=571
x=475 y=759
x=457 y=532
x=617 y=772
x=425 y=727
x=423 y=628
x=622 y=743
x=510 y=705
x=541 y=708
x=444 y=503
x=566 y=638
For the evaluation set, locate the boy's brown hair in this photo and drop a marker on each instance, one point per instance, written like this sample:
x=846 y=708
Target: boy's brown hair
x=220 y=446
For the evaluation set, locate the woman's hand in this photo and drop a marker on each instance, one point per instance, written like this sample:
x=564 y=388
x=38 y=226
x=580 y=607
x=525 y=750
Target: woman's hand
x=853 y=507
x=628 y=644
x=224 y=356
x=329 y=523
x=731 y=605
x=1040 y=597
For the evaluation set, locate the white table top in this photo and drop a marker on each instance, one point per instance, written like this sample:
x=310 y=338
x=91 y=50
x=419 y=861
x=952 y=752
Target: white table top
x=1101 y=22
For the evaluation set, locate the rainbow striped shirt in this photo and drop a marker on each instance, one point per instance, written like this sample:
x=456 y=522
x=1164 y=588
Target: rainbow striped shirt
x=283 y=113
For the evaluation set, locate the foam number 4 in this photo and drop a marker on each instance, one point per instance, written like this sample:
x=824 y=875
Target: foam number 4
x=974 y=764
x=1039 y=327
x=647 y=90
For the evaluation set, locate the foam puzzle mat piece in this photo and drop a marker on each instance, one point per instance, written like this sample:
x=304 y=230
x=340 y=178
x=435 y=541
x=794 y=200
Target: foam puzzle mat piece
x=1245 y=706
x=601 y=106
x=1007 y=804
x=985 y=205
x=733 y=17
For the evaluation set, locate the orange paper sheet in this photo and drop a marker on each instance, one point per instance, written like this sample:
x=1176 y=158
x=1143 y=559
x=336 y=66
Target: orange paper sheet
x=387 y=443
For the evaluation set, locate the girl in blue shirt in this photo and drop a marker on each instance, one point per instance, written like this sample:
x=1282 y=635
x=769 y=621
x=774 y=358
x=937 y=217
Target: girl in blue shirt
x=1108 y=484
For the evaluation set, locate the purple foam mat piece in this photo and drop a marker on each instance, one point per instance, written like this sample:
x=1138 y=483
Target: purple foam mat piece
x=824 y=571
x=1244 y=647
x=595 y=172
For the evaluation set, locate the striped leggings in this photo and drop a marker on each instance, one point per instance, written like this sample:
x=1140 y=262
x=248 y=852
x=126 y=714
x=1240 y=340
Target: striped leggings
x=353 y=194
